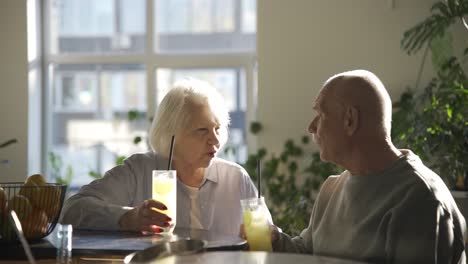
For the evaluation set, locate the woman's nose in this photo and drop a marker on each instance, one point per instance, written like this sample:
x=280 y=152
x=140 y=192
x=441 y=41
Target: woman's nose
x=213 y=138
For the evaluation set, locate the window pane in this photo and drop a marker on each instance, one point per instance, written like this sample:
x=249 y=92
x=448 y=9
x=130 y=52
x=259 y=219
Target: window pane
x=34 y=121
x=189 y=17
x=133 y=16
x=249 y=16
x=89 y=26
x=204 y=26
x=231 y=84
x=89 y=115
x=32 y=29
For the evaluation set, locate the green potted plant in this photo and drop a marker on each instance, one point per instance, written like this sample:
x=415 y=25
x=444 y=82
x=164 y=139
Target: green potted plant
x=432 y=121
x=290 y=180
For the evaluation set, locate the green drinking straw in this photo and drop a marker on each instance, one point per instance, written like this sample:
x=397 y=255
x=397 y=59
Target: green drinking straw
x=171 y=151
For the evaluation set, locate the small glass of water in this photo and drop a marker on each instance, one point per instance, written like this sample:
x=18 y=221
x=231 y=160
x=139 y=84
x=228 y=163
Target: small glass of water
x=64 y=243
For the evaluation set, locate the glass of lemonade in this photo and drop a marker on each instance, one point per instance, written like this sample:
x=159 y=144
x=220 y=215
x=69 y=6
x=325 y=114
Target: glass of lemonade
x=257 y=220
x=165 y=191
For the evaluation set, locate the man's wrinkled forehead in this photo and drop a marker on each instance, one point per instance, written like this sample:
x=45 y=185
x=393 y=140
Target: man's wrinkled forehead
x=324 y=93
x=318 y=101
x=330 y=98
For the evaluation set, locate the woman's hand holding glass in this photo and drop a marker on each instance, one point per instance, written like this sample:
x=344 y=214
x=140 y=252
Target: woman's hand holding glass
x=145 y=218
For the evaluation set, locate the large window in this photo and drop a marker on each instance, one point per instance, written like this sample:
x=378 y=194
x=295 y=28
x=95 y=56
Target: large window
x=108 y=60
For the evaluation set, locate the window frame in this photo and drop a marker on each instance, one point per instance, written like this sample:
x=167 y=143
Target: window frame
x=151 y=60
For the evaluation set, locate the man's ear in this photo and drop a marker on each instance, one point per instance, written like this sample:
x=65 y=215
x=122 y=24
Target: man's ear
x=351 y=120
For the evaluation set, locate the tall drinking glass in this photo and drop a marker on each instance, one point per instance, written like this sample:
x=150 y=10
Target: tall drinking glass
x=257 y=220
x=165 y=191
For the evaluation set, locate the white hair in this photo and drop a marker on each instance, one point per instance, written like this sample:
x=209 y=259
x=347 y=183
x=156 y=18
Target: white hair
x=173 y=115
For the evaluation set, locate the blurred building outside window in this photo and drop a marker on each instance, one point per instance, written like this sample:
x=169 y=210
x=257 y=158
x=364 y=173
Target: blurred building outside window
x=105 y=59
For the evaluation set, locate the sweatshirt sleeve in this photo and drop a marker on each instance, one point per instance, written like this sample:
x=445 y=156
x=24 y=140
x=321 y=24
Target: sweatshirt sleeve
x=100 y=204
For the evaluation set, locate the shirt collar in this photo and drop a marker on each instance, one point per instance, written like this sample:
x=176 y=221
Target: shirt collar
x=211 y=173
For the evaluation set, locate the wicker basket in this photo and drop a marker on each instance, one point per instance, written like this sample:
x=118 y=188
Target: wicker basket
x=37 y=207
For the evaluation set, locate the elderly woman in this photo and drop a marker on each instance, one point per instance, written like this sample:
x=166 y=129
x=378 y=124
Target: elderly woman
x=209 y=189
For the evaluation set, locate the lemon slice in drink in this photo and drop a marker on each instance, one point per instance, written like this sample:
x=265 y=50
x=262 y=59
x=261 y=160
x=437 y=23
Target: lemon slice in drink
x=247 y=217
x=163 y=187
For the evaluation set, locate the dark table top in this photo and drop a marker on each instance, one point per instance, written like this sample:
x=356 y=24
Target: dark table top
x=93 y=243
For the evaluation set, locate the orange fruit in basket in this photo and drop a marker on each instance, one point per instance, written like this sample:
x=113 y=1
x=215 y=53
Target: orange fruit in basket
x=31 y=188
x=36 y=179
x=21 y=205
x=35 y=225
x=42 y=195
x=49 y=200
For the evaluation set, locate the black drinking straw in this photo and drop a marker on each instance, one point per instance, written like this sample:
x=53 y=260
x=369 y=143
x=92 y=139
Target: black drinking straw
x=259 y=178
x=170 y=153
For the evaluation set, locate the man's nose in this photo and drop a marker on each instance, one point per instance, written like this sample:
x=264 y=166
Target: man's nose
x=312 y=127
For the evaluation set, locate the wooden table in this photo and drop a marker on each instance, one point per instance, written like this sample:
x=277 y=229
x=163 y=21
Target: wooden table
x=88 y=243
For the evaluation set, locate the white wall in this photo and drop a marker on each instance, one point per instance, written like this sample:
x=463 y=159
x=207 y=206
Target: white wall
x=303 y=42
x=300 y=44
x=13 y=89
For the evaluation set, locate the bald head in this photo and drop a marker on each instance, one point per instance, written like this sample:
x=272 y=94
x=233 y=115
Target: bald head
x=363 y=91
x=352 y=123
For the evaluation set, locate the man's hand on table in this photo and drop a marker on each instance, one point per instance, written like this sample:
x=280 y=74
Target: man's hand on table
x=275 y=233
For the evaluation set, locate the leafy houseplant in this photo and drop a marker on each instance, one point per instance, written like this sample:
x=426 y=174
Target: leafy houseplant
x=56 y=164
x=433 y=121
x=289 y=198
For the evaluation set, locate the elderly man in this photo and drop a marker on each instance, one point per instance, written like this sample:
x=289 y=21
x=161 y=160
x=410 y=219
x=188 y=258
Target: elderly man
x=386 y=206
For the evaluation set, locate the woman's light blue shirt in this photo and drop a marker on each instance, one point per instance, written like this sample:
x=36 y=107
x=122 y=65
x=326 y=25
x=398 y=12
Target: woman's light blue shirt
x=100 y=204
